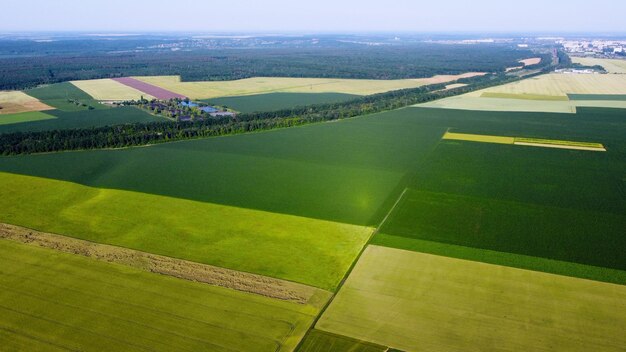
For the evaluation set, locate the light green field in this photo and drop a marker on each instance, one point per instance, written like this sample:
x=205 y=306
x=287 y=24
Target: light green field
x=52 y=301
x=477 y=103
x=24 y=117
x=108 y=89
x=611 y=66
x=478 y=138
x=523 y=96
x=420 y=302
x=261 y=85
x=313 y=252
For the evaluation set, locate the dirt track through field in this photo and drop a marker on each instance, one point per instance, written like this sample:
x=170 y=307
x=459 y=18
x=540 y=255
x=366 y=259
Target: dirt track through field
x=182 y=269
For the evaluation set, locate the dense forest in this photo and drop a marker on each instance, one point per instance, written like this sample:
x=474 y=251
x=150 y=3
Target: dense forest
x=158 y=132
x=24 y=68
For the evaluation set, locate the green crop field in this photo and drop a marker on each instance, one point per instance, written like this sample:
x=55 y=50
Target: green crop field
x=278 y=101
x=57 y=95
x=23 y=117
x=299 y=249
x=81 y=119
x=321 y=341
x=345 y=171
x=414 y=301
x=52 y=301
x=608 y=97
x=564 y=234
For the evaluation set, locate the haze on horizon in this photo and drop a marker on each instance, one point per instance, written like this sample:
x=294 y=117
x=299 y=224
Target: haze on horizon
x=315 y=16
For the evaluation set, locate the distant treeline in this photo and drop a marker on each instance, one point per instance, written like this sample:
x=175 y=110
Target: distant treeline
x=159 y=132
x=386 y=62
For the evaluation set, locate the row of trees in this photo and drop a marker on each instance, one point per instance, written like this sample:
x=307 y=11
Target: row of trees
x=158 y=132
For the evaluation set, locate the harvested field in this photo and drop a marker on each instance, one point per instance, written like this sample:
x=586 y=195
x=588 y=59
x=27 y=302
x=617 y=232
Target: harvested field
x=110 y=90
x=54 y=301
x=455 y=85
x=531 y=61
x=182 y=269
x=414 y=301
x=478 y=138
x=148 y=89
x=247 y=240
x=610 y=65
x=13 y=102
x=263 y=85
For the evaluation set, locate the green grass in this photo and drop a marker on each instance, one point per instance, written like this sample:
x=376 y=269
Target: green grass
x=81 y=119
x=278 y=101
x=52 y=301
x=24 y=117
x=57 y=95
x=308 y=251
x=603 y=97
x=321 y=341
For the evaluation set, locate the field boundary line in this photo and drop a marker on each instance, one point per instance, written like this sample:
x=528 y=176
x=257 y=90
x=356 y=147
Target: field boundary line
x=347 y=274
x=159 y=264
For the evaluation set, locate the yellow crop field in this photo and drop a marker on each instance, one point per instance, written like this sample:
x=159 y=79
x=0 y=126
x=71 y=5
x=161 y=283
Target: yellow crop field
x=108 y=89
x=532 y=142
x=611 y=66
x=524 y=96
x=421 y=302
x=546 y=93
x=12 y=102
x=531 y=61
x=478 y=138
x=261 y=85
x=556 y=84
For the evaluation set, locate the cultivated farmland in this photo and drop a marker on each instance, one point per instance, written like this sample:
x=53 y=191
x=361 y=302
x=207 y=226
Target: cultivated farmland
x=13 y=102
x=65 y=97
x=109 y=90
x=263 y=85
x=305 y=250
x=24 y=117
x=556 y=84
x=148 y=89
x=611 y=66
x=545 y=93
x=52 y=301
x=58 y=119
x=414 y=301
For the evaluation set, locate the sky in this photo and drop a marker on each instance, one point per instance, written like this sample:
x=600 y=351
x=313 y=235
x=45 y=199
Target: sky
x=599 y=16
